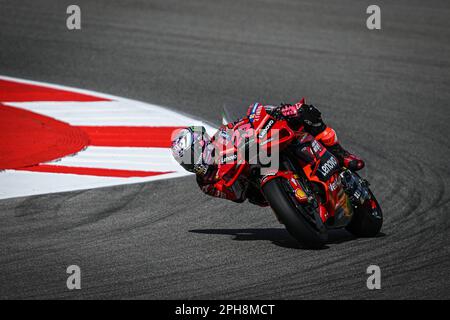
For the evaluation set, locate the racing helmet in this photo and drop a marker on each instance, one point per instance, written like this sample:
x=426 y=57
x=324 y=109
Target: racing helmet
x=188 y=146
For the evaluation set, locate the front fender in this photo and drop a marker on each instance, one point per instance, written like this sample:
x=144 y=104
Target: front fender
x=299 y=193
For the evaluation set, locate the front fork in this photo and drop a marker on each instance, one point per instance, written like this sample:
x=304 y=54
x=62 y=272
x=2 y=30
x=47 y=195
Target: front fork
x=355 y=187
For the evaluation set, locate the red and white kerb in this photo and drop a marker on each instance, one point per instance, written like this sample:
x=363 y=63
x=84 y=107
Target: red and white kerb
x=55 y=138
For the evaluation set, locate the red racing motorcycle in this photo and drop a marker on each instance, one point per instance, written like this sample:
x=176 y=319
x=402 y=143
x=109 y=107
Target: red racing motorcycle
x=309 y=192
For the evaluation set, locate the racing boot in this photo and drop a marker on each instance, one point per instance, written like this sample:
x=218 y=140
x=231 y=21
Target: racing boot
x=346 y=159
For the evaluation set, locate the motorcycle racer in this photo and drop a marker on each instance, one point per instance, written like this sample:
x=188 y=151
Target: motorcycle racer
x=299 y=116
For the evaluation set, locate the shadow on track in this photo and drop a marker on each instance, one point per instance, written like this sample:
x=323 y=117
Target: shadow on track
x=278 y=236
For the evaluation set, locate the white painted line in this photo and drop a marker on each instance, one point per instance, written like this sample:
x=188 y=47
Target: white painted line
x=124 y=158
x=108 y=113
x=23 y=183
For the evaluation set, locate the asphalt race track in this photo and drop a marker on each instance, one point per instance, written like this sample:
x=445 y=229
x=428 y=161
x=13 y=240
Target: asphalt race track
x=386 y=92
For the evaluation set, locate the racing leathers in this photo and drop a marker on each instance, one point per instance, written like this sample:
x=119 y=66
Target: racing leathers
x=299 y=116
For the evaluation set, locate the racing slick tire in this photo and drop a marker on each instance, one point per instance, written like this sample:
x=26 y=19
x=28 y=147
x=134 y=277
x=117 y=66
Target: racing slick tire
x=293 y=217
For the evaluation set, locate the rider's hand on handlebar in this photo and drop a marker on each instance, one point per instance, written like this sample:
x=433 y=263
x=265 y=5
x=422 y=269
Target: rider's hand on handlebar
x=289 y=110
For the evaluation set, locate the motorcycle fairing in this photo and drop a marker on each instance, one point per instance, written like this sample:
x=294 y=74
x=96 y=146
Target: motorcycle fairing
x=267 y=132
x=327 y=166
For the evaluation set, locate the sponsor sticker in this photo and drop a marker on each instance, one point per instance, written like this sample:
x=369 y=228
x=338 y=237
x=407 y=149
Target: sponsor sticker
x=328 y=165
x=333 y=185
x=300 y=194
x=266 y=128
x=230 y=158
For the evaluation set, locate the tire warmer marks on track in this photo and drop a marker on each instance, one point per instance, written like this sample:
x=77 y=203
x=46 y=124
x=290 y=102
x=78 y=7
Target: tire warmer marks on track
x=57 y=139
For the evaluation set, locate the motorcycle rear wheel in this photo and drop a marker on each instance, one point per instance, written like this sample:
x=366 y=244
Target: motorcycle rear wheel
x=292 y=216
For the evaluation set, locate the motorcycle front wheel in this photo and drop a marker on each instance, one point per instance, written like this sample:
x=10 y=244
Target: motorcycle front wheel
x=367 y=218
x=297 y=220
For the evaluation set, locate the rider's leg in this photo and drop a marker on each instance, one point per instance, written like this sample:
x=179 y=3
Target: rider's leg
x=329 y=139
x=327 y=136
x=314 y=124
